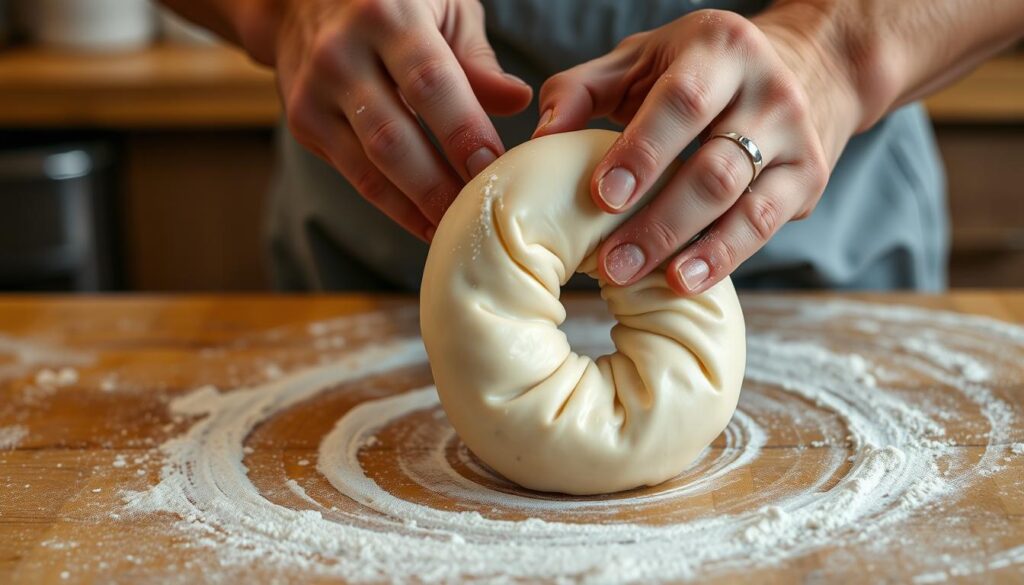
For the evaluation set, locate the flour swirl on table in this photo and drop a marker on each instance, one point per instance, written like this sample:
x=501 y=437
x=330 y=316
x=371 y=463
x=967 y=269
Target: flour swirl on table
x=878 y=435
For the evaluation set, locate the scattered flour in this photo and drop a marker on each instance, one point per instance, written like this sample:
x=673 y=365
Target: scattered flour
x=62 y=377
x=20 y=356
x=11 y=437
x=110 y=383
x=272 y=371
x=887 y=458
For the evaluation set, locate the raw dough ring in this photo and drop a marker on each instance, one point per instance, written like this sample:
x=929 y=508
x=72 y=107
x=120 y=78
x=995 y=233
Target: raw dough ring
x=517 y=394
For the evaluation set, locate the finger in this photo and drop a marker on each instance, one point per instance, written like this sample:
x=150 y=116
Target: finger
x=704 y=188
x=684 y=101
x=499 y=93
x=778 y=196
x=345 y=153
x=568 y=100
x=394 y=141
x=434 y=84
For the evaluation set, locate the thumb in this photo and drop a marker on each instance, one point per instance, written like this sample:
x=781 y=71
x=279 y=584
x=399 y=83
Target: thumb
x=568 y=100
x=499 y=93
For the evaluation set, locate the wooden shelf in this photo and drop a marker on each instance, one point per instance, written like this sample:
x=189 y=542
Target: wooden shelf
x=164 y=86
x=992 y=94
x=179 y=86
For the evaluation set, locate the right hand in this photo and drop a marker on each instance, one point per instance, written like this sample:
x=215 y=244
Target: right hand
x=356 y=77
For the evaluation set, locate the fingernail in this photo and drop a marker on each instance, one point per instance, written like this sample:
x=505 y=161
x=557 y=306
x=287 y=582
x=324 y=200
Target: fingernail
x=516 y=79
x=479 y=161
x=623 y=262
x=545 y=119
x=616 y=186
x=694 y=272
x=429 y=234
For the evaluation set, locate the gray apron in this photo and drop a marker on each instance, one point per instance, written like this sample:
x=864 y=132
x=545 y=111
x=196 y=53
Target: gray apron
x=881 y=223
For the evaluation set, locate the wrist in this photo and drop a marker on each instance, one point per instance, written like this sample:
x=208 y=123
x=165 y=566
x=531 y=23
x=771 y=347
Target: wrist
x=851 y=72
x=256 y=24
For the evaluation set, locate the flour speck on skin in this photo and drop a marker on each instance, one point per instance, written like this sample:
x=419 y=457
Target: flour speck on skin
x=885 y=457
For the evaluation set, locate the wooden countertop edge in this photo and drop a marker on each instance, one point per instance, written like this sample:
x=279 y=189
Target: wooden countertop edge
x=404 y=298
x=176 y=86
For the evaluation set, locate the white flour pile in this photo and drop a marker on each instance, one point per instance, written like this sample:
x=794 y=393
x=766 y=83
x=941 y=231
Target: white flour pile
x=18 y=356
x=886 y=453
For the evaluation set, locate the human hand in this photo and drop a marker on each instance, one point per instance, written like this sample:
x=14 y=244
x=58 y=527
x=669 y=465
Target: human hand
x=357 y=75
x=707 y=73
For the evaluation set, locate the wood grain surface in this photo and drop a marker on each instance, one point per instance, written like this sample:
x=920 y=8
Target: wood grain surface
x=166 y=86
x=131 y=354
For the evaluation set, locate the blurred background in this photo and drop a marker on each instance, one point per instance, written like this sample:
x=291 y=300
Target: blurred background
x=136 y=153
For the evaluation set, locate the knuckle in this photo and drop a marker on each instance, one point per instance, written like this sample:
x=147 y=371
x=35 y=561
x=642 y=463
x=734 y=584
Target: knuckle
x=807 y=209
x=428 y=81
x=645 y=153
x=479 y=50
x=728 y=30
x=719 y=178
x=764 y=217
x=633 y=39
x=738 y=32
x=326 y=52
x=726 y=255
x=385 y=141
x=463 y=137
x=371 y=184
x=434 y=199
x=817 y=173
x=661 y=235
x=688 y=95
x=299 y=112
x=789 y=98
x=376 y=12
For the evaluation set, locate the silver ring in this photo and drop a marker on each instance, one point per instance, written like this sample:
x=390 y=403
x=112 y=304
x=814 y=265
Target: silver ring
x=748 y=146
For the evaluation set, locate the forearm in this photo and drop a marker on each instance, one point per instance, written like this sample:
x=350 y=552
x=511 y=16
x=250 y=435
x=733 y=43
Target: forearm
x=890 y=52
x=250 y=24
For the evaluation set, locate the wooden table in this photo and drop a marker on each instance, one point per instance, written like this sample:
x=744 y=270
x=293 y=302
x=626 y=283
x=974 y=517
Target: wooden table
x=129 y=355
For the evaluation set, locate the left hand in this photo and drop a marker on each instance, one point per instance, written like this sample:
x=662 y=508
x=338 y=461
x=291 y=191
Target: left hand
x=706 y=73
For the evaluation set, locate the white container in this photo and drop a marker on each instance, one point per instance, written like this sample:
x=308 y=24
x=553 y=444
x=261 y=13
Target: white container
x=92 y=25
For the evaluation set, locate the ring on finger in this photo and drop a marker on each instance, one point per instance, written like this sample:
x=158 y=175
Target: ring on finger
x=749 y=147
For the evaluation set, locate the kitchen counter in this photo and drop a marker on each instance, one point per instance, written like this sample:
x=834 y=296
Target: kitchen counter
x=86 y=383
x=161 y=87
x=176 y=86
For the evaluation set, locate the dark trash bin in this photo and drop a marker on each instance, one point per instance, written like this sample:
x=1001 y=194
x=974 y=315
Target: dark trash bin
x=55 y=218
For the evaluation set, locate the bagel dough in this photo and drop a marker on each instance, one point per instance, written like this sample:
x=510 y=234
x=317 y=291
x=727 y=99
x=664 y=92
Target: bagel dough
x=514 y=390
